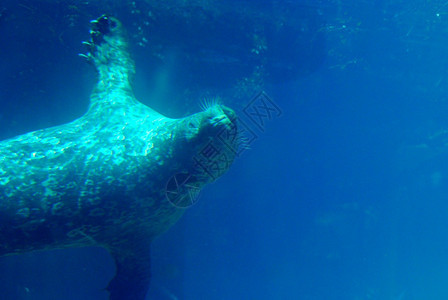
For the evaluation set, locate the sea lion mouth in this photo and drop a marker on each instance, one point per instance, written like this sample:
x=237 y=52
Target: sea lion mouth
x=210 y=123
x=220 y=122
x=227 y=119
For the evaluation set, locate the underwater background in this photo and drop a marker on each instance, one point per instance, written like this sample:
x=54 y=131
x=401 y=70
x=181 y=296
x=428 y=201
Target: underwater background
x=343 y=192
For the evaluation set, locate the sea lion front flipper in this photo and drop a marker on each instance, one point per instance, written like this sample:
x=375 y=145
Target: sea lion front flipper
x=132 y=260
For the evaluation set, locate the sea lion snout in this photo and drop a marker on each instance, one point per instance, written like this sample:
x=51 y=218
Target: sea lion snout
x=214 y=138
x=210 y=123
x=225 y=117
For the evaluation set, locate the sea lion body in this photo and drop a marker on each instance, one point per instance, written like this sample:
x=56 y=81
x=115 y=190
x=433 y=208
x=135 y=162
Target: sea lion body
x=101 y=180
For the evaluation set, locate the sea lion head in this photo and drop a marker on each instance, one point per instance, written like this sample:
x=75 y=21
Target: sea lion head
x=209 y=141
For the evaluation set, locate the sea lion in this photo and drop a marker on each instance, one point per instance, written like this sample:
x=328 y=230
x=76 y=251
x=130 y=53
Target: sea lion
x=103 y=179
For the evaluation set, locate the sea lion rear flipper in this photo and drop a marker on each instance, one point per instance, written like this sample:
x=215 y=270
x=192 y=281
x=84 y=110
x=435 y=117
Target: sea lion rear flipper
x=132 y=277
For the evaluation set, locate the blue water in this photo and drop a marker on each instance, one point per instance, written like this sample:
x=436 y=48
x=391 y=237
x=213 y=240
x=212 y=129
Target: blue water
x=343 y=192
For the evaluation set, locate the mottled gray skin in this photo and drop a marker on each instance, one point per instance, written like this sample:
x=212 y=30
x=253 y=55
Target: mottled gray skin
x=100 y=180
